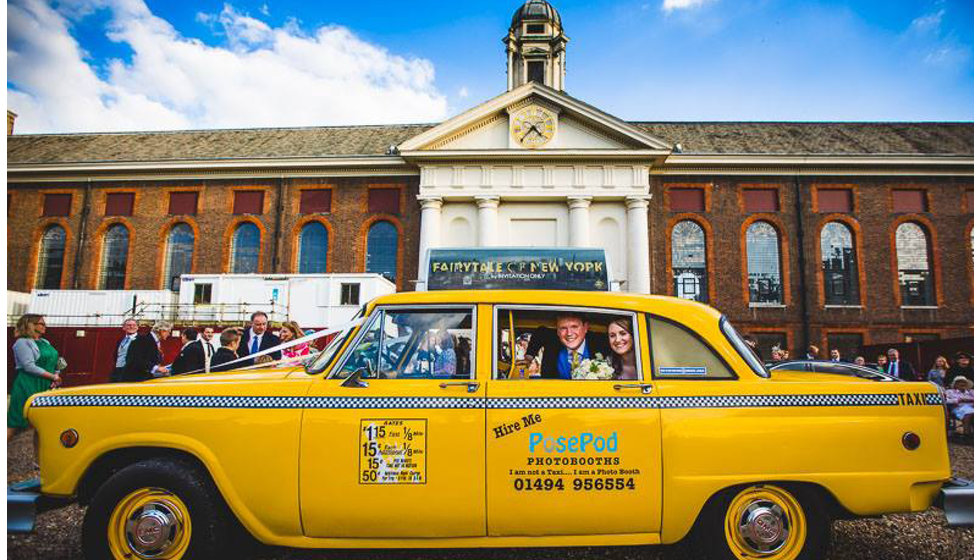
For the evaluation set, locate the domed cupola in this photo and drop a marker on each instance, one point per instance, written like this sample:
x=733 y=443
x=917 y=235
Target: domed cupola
x=536 y=46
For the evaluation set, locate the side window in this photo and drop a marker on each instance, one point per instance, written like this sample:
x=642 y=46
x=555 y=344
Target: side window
x=679 y=353
x=415 y=344
x=563 y=343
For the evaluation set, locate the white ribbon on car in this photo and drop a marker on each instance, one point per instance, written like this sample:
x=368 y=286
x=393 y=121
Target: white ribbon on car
x=283 y=346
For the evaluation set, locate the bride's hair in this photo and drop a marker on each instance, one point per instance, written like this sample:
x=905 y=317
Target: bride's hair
x=615 y=360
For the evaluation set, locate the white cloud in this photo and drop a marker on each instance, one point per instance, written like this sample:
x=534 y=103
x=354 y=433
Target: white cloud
x=928 y=22
x=463 y=92
x=671 y=5
x=264 y=76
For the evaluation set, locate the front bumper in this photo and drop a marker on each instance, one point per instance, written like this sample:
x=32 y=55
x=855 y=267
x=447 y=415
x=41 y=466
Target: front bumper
x=956 y=500
x=25 y=502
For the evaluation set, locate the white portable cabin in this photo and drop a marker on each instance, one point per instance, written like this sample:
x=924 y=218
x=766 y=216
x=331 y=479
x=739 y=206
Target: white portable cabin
x=17 y=304
x=312 y=300
x=101 y=308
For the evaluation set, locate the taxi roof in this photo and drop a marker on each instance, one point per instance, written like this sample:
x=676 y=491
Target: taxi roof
x=665 y=305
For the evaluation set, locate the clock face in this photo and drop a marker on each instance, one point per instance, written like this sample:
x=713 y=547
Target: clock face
x=533 y=127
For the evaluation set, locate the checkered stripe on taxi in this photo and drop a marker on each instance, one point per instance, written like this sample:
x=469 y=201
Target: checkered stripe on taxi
x=723 y=401
x=193 y=401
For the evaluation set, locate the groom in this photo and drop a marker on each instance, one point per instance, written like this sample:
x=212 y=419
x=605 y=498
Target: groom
x=574 y=345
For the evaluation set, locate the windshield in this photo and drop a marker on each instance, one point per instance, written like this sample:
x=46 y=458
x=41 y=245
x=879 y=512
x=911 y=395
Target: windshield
x=743 y=349
x=335 y=344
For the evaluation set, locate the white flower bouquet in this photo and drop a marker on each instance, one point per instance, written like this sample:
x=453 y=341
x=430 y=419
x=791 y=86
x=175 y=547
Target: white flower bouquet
x=596 y=368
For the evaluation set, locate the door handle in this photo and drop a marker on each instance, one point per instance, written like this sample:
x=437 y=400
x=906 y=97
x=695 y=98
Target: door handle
x=471 y=386
x=644 y=388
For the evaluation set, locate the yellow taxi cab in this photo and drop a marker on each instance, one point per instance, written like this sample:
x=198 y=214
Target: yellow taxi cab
x=496 y=418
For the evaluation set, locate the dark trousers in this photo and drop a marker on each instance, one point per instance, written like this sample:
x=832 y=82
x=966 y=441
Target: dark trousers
x=116 y=376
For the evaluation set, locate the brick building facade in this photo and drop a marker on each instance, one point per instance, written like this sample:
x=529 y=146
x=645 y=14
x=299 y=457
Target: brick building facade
x=757 y=219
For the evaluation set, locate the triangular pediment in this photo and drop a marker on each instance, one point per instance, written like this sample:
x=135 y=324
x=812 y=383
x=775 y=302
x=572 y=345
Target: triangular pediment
x=577 y=128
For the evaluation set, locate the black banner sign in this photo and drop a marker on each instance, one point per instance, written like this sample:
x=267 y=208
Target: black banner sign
x=510 y=269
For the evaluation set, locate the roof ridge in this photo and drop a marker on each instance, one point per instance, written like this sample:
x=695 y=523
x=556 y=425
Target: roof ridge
x=208 y=130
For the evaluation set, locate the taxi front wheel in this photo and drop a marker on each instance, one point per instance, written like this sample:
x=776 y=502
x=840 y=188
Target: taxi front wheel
x=157 y=508
x=767 y=521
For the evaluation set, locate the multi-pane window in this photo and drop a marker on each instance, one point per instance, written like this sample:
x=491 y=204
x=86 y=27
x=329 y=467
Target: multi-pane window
x=51 y=260
x=115 y=253
x=382 y=250
x=765 y=272
x=350 y=294
x=202 y=294
x=245 y=249
x=915 y=280
x=179 y=256
x=313 y=244
x=840 y=275
x=689 y=261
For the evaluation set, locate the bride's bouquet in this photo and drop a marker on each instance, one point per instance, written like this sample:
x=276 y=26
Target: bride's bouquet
x=595 y=368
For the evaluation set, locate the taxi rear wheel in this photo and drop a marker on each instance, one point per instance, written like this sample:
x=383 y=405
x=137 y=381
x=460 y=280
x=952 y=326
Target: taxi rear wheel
x=164 y=509
x=767 y=522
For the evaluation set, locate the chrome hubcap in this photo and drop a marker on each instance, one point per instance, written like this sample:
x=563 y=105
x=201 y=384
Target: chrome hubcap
x=763 y=526
x=152 y=530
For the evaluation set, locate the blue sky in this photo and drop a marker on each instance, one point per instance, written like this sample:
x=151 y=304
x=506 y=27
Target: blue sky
x=86 y=65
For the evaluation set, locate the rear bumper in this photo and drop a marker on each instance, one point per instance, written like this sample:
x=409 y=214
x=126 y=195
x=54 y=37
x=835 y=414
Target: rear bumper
x=956 y=500
x=25 y=502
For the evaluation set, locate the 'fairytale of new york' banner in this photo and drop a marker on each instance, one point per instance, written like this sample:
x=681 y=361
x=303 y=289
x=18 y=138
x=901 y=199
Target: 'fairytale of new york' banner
x=515 y=268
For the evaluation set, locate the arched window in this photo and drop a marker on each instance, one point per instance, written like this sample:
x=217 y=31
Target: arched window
x=51 y=259
x=689 y=261
x=115 y=253
x=914 y=269
x=840 y=275
x=382 y=250
x=180 y=255
x=313 y=243
x=245 y=249
x=762 y=256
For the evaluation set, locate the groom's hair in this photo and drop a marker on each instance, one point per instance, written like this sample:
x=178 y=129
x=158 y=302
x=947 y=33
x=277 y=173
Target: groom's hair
x=561 y=316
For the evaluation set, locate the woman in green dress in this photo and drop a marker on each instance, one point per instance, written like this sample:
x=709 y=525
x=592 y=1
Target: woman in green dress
x=37 y=368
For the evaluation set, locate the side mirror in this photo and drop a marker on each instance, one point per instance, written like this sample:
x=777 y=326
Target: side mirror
x=355 y=379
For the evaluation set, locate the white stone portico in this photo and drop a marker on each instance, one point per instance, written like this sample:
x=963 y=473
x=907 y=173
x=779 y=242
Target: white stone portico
x=588 y=186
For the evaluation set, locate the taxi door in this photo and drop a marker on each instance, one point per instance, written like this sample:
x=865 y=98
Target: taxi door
x=399 y=452
x=571 y=457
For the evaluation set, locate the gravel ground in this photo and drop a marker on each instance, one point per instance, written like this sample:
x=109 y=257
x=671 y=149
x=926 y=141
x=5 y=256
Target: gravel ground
x=919 y=536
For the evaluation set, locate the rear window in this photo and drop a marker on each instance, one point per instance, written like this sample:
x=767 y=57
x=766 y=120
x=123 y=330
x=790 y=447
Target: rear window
x=679 y=353
x=743 y=349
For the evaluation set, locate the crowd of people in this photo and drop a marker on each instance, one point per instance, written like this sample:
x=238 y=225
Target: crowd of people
x=139 y=357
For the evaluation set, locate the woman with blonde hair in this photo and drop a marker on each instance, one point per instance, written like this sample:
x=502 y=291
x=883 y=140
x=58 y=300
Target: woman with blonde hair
x=37 y=368
x=291 y=331
x=937 y=375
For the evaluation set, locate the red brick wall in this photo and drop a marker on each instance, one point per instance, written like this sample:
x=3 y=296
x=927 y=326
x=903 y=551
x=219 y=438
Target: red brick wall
x=881 y=319
x=213 y=225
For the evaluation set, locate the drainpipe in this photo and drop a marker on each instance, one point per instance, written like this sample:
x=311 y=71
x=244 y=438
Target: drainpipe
x=277 y=231
x=801 y=251
x=75 y=280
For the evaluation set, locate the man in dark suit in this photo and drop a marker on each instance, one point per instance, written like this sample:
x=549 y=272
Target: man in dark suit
x=565 y=349
x=191 y=358
x=899 y=368
x=130 y=327
x=258 y=338
x=145 y=356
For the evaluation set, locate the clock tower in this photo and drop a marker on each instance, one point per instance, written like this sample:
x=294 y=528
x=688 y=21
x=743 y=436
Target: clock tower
x=535 y=46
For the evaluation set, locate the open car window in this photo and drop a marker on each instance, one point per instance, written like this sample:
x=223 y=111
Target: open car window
x=565 y=343
x=424 y=343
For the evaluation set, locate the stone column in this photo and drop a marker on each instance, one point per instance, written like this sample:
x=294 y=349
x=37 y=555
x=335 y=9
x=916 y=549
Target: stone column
x=430 y=229
x=638 y=244
x=578 y=220
x=487 y=220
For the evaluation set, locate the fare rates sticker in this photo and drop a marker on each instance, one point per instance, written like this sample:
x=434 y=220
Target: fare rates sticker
x=392 y=451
